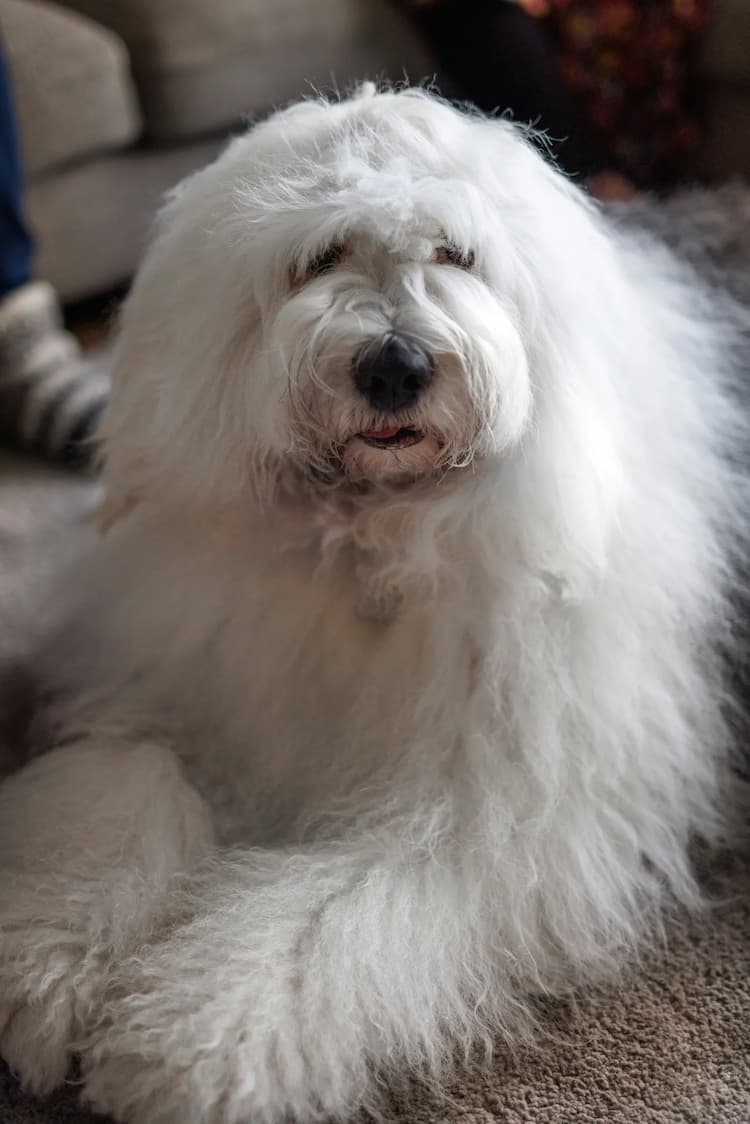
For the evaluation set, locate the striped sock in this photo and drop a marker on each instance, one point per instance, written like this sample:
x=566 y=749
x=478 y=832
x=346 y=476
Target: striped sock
x=50 y=397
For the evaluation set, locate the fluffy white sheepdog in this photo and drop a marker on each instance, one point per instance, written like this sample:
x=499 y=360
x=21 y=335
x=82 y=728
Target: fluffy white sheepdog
x=402 y=649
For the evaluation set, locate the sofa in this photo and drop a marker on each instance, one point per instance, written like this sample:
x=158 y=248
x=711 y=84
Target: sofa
x=119 y=99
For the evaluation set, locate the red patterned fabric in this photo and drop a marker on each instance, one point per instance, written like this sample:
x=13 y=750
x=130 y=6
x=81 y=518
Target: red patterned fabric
x=611 y=80
x=629 y=62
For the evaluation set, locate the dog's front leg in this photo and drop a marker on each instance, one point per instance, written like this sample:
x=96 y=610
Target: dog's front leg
x=300 y=977
x=91 y=839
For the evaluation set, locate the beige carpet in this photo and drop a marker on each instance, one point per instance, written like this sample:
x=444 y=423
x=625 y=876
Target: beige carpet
x=669 y=1043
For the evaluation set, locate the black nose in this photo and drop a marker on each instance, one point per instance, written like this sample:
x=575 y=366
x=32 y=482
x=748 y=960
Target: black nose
x=392 y=372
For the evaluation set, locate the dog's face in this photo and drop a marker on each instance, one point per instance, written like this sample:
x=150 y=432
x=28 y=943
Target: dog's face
x=399 y=361
x=392 y=341
x=348 y=292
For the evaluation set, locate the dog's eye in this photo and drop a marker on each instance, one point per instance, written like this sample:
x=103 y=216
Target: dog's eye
x=325 y=261
x=454 y=255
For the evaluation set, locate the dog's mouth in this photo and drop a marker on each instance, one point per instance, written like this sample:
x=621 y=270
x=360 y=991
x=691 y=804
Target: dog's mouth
x=391 y=437
x=392 y=454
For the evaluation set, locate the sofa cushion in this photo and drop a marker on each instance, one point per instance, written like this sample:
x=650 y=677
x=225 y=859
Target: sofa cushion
x=203 y=66
x=91 y=219
x=73 y=90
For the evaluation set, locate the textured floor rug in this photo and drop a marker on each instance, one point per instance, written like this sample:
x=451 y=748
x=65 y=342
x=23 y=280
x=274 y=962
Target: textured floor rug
x=667 y=1044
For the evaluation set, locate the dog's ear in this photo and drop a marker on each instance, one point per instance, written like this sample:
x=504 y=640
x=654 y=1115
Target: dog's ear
x=175 y=421
x=575 y=306
x=127 y=431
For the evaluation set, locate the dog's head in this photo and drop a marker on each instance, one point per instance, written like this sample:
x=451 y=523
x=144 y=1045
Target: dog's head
x=351 y=295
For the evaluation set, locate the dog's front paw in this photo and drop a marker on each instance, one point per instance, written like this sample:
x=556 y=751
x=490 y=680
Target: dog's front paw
x=150 y=1074
x=48 y=986
x=134 y=1084
x=185 y=1043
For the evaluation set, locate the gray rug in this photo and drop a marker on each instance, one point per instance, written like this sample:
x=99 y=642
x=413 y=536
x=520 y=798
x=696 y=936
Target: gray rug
x=667 y=1044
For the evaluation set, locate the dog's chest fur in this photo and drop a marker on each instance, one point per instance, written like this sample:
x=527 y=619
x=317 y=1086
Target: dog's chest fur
x=287 y=685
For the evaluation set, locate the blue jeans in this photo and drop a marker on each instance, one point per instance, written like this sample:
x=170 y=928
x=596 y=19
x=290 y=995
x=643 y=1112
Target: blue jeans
x=16 y=246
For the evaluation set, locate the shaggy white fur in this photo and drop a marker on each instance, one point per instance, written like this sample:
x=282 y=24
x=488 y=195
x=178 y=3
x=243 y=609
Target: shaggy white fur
x=385 y=722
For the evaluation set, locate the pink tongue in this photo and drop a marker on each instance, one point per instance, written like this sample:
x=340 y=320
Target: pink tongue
x=381 y=434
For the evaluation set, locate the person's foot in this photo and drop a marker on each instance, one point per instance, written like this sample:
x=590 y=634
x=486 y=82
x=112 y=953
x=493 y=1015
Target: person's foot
x=51 y=398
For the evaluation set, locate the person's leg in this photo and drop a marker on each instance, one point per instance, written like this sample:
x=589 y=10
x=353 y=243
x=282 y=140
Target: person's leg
x=50 y=399
x=16 y=246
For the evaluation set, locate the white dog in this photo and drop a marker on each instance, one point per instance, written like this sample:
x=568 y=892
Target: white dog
x=402 y=650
